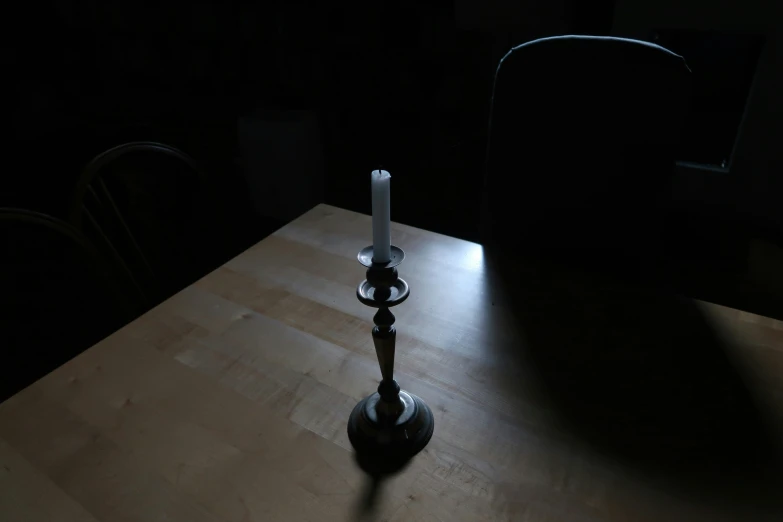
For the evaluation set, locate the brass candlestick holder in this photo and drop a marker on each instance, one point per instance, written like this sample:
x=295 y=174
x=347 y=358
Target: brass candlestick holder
x=390 y=422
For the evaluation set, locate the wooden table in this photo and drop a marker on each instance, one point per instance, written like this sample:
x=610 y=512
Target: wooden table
x=229 y=402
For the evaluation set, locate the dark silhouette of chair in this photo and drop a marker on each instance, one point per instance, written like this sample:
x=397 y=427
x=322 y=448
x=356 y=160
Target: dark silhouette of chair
x=148 y=204
x=580 y=158
x=59 y=296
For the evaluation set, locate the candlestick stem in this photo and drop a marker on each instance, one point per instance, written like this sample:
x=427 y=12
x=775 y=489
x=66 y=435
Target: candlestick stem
x=384 y=336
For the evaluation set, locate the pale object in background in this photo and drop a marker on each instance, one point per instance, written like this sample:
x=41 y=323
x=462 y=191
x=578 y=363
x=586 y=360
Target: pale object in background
x=282 y=162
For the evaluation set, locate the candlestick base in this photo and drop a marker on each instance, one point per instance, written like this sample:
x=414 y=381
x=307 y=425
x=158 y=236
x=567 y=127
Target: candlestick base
x=399 y=437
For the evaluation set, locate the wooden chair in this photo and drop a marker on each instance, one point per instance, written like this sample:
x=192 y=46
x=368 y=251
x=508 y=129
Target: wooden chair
x=59 y=296
x=147 y=204
x=580 y=158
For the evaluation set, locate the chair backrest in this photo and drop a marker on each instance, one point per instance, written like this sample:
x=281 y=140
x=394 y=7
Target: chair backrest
x=59 y=296
x=581 y=143
x=145 y=203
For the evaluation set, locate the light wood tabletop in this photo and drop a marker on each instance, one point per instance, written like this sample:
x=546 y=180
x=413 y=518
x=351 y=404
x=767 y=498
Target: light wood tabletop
x=229 y=401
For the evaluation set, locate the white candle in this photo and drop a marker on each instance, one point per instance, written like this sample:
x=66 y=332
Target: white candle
x=381 y=216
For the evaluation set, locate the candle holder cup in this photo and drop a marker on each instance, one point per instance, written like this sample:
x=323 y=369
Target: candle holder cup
x=390 y=422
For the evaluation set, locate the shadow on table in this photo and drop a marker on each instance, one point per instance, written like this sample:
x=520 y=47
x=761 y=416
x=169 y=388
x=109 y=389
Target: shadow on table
x=641 y=376
x=378 y=468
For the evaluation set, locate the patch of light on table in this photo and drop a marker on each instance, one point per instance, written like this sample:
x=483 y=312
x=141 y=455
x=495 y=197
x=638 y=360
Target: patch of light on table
x=470 y=256
x=474 y=257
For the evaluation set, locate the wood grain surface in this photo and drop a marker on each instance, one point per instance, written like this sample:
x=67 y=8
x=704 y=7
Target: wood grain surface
x=229 y=401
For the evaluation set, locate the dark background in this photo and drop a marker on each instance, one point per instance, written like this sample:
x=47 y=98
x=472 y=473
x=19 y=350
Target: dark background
x=349 y=86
